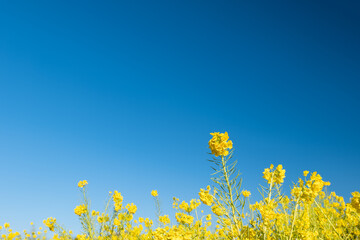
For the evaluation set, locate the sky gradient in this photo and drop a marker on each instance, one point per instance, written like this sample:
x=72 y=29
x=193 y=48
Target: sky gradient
x=125 y=94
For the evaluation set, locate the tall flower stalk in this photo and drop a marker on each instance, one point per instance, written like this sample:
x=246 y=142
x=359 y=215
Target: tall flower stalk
x=227 y=179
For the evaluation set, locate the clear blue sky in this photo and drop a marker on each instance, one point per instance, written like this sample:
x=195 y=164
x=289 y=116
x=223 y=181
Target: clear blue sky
x=125 y=94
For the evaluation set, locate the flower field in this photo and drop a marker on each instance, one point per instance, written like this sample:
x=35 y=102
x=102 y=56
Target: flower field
x=307 y=213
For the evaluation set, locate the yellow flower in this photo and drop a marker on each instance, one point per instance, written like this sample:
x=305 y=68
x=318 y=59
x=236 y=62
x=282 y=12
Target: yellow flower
x=274 y=176
x=219 y=144
x=103 y=218
x=148 y=223
x=194 y=203
x=206 y=197
x=82 y=184
x=217 y=210
x=267 y=174
x=355 y=201
x=117 y=198
x=117 y=222
x=185 y=206
x=131 y=208
x=50 y=223
x=81 y=237
x=80 y=210
x=184 y=218
x=154 y=193
x=279 y=174
x=164 y=219
x=246 y=193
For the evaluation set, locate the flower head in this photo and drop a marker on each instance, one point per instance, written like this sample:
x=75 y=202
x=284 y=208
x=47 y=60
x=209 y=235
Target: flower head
x=206 y=197
x=246 y=193
x=50 y=223
x=79 y=210
x=219 y=144
x=82 y=184
x=154 y=193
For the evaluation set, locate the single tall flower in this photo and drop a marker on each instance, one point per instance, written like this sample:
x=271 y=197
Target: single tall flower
x=219 y=144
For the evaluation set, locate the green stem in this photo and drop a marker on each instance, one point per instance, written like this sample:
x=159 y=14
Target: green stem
x=232 y=205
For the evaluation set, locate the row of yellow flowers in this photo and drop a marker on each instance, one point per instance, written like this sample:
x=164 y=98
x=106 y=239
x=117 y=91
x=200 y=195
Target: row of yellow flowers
x=307 y=213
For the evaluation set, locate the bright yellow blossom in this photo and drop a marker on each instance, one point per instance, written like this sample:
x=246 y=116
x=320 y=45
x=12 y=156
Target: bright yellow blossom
x=164 y=219
x=246 y=193
x=154 y=193
x=82 y=184
x=219 y=211
x=81 y=209
x=185 y=206
x=131 y=208
x=219 y=144
x=206 y=197
x=355 y=201
x=184 y=218
x=50 y=223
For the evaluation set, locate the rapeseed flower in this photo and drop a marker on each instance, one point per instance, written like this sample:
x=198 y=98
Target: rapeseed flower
x=355 y=201
x=206 y=197
x=82 y=184
x=50 y=223
x=219 y=211
x=164 y=219
x=219 y=144
x=79 y=210
x=131 y=208
x=246 y=193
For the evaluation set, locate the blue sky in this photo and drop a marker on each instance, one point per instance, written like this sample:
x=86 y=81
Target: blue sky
x=125 y=94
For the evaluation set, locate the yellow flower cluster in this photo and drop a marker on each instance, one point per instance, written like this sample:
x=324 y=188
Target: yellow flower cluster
x=103 y=218
x=218 y=210
x=307 y=213
x=219 y=144
x=246 y=193
x=50 y=223
x=131 y=208
x=164 y=219
x=82 y=184
x=194 y=204
x=308 y=190
x=276 y=175
x=355 y=201
x=79 y=210
x=184 y=218
x=118 y=199
x=206 y=197
x=154 y=193
x=185 y=206
x=147 y=222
